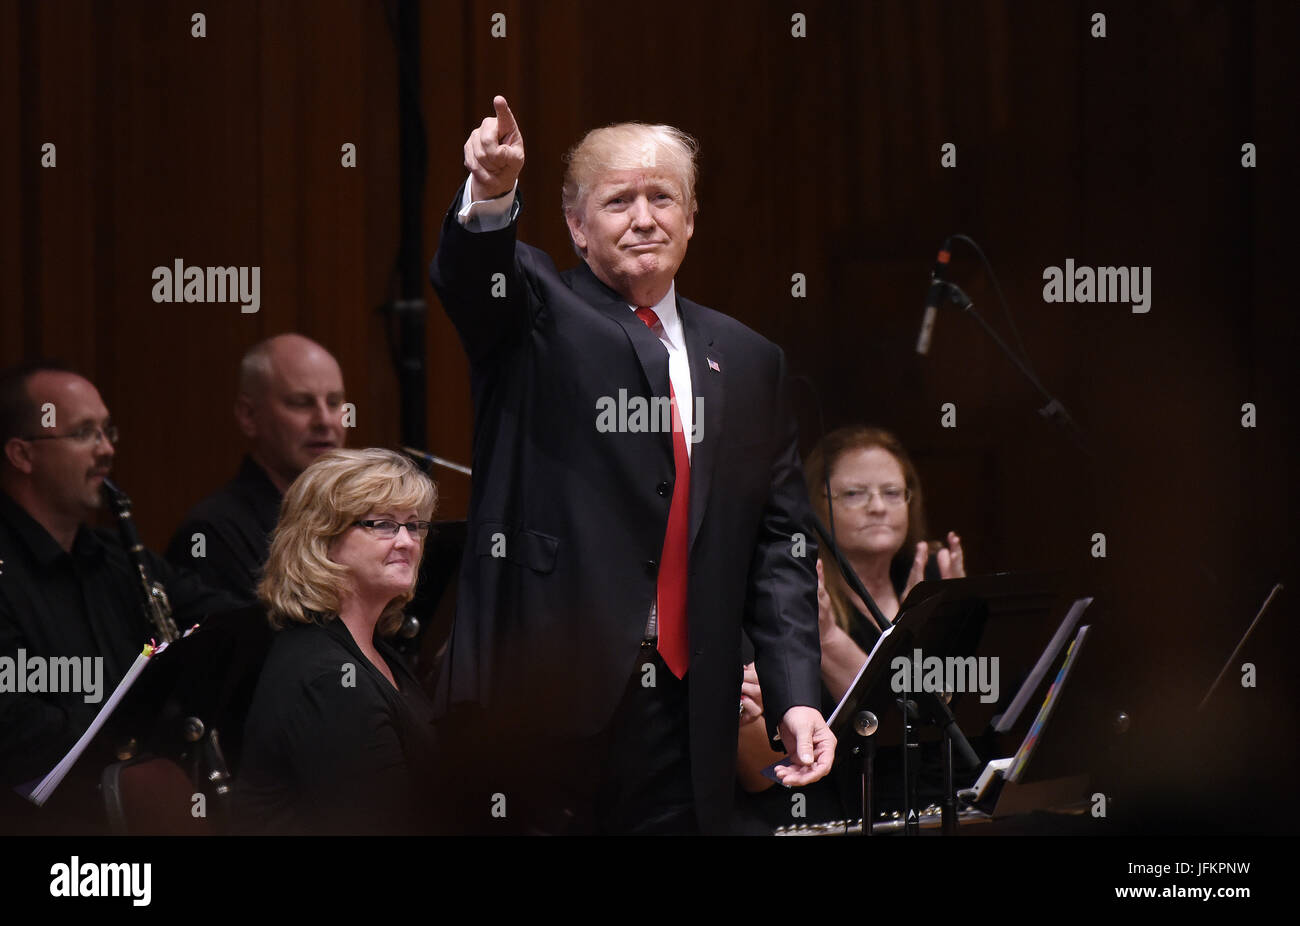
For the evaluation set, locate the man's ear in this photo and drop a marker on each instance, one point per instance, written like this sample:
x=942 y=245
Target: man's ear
x=244 y=417
x=19 y=454
x=574 y=221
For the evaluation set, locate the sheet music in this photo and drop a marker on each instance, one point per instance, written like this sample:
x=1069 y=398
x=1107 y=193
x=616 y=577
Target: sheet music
x=854 y=684
x=41 y=791
x=770 y=771
x=1045 y=660
x=1026 y=750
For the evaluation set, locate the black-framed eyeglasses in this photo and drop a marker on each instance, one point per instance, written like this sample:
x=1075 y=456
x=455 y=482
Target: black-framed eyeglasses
x=87 y=434
x=388 y=529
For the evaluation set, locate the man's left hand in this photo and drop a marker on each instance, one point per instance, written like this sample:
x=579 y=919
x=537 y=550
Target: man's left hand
x=811 y=746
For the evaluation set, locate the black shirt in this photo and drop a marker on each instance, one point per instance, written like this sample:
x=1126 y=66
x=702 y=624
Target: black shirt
x=236 y=522
x=79 y=603
x=329 y=745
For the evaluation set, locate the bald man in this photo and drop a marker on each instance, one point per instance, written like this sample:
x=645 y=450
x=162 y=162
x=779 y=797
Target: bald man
x=290 y=407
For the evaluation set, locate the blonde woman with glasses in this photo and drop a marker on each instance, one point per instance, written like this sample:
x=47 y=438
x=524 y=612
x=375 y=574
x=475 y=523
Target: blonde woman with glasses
x=339 y=738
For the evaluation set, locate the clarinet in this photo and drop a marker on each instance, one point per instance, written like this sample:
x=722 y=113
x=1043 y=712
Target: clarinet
x=157 y=609
x=199 y=749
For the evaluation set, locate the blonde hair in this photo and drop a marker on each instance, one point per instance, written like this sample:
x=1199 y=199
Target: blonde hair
x=820 y=465
x=300 y=582
x=627 y=146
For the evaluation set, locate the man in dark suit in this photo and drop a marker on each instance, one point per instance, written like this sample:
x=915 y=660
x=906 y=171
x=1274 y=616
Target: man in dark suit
x=637 y=499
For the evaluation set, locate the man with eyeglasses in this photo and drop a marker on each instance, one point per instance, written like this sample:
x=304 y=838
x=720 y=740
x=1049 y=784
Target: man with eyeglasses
x=290 y=407
x=66 y=589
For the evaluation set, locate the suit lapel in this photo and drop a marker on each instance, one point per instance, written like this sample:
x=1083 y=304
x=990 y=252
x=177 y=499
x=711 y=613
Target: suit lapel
x=707 y=386
x=650 y=352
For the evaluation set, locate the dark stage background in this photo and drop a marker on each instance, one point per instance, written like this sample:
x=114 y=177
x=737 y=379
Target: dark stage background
x=820 y=156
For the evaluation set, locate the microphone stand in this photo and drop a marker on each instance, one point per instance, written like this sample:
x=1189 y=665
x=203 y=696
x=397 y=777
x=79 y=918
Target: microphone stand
x=911 y=766
x=865 y=723
x=850 y=576
x=424 y=456
x=865 y=726
x=1053 y=410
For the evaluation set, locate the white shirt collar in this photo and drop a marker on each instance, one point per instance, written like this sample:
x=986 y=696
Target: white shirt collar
x=666 y=309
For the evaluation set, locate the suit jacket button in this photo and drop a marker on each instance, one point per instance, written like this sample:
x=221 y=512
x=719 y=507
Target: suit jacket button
x=651 y=567
x=664 y=488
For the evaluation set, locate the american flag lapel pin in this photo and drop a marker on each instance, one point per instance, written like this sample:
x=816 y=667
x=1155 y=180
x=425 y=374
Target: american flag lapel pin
x=713 y=365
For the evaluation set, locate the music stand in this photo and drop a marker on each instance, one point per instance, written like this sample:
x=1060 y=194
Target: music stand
x=945 y=620
x=1002 y=789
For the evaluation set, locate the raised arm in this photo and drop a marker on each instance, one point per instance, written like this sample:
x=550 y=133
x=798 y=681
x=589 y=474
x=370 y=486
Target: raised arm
x=475 y=271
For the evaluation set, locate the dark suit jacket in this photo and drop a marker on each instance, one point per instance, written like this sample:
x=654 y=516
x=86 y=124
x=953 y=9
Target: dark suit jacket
x=549 y=632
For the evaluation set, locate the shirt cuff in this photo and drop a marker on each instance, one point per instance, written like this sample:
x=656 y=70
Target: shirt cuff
x=486 y=215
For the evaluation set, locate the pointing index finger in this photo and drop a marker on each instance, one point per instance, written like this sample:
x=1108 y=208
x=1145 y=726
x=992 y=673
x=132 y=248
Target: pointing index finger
x=506 y=126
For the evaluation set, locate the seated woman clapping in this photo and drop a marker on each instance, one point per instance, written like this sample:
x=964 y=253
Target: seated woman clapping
x=879 y=522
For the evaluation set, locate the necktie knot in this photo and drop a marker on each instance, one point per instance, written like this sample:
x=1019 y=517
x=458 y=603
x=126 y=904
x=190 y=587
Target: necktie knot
x=647 y=315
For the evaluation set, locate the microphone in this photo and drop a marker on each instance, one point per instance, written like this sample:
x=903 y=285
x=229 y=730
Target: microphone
x=937 y=287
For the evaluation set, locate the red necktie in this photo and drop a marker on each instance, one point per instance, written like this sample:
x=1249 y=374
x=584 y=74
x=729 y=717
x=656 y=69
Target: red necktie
x=674 y=644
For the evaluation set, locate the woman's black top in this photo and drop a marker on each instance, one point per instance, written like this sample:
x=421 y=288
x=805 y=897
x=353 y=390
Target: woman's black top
x=329 y=745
